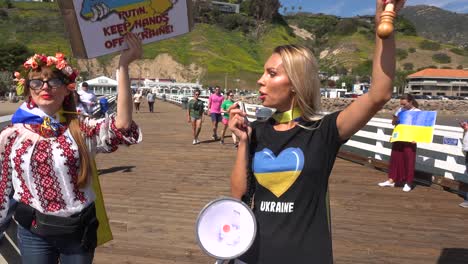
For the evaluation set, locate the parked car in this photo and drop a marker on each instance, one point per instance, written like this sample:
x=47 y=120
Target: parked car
x=440 y=97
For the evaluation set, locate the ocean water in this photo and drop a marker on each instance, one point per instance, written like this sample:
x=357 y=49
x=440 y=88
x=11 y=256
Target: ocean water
x=452 y=120
x=442 y=120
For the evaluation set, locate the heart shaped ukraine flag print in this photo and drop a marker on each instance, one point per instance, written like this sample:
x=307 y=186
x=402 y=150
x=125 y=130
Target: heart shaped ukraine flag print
x=278 y=174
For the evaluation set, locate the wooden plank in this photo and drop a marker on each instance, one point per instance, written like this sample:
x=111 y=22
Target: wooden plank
x=154 y=191
x=419 y=175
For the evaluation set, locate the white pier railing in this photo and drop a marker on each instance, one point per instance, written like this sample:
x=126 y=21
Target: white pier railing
x=373 y=141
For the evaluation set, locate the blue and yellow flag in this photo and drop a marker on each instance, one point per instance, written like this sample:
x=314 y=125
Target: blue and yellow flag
x=104 y=233
x=414 y=126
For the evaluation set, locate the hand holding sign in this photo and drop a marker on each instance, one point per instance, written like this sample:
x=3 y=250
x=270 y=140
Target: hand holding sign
x=133 y=52
x=98 y=27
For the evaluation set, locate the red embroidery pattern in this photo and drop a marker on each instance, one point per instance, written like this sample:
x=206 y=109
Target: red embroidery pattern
x=18 y=160
x=89 y=131
x=98 y=127
x=120 y=136
x=5 y=183
x=132 y=133
x=47 y=185
x=73 y=166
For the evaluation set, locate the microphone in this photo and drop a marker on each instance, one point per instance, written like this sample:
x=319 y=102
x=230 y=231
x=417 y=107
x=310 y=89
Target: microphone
x=263 y=114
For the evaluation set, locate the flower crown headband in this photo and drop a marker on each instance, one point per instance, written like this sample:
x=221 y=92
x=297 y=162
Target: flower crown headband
x=57 y=63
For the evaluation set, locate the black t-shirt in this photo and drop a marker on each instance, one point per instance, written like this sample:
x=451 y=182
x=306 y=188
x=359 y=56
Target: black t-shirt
x=291 y=202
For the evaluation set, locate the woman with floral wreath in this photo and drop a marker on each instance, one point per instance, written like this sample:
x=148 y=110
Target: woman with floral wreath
x=47 y=160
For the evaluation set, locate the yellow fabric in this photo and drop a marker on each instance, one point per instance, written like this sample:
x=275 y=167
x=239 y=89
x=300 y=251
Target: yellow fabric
x=60 y=115
x=277 y=182
x=104 y=233
x=407 y=133
x=287 y=116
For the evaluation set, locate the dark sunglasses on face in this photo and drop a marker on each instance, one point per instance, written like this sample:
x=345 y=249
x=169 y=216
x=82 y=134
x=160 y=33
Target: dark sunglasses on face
x=197 y=94
x=37 y=84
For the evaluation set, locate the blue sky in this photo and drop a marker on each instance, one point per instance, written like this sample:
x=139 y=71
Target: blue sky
x=348 y=8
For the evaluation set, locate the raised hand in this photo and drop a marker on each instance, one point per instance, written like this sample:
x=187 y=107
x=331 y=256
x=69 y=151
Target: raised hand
x=381 y=4
x=464 y=125
x=134 y=50
x=385 y=14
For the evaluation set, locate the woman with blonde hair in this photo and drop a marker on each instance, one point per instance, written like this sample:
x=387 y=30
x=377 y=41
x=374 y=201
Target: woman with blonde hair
x=47 y=157
x=283 y=164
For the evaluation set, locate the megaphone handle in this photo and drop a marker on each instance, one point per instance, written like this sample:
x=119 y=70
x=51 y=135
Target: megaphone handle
x=385 y=28
x=219 y=261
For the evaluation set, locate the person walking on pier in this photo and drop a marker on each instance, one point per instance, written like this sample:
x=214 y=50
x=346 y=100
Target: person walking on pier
x=137 y=100
x=214 y=107
x=47 y=157
x=283 y=164
x=224 y=110
x=151 y=97
x=403 y=155
x=88 y=98
x=195 y=111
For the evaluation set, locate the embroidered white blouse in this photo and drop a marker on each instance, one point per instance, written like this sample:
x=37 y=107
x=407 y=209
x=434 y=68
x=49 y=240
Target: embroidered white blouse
x=42 y=171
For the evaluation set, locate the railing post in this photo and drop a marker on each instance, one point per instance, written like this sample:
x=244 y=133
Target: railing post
x=379 y=143
x=452 y=160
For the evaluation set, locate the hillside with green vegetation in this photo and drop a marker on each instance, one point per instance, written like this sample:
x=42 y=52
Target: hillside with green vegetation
x=233 y=47
x=220 y=51
x=345 y=46
x=438 y=24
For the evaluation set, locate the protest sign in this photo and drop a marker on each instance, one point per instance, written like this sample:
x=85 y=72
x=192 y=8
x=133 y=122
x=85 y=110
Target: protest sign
x=97 y=27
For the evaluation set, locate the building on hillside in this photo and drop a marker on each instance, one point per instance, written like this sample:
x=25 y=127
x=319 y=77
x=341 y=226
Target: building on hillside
x=361 y=88
x=226 y=7
x=446 y=82
x=140 y=82
x=332 y=92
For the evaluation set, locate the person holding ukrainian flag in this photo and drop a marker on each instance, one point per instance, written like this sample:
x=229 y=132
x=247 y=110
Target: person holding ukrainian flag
x=48 y=175
x=403 y=155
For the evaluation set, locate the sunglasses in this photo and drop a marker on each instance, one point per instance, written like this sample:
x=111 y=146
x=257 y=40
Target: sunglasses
x=197 y=94
x=37 y=84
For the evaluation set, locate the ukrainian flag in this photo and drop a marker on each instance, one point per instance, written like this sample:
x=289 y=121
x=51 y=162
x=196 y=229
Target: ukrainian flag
x=414 y=126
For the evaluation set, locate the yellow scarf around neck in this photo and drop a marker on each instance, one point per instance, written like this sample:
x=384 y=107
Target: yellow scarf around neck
x=286 y=117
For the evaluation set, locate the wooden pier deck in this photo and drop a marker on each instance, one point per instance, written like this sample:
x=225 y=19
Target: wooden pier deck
x=154 y=191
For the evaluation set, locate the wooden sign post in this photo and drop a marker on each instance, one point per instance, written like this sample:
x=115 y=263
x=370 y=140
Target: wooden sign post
x=97 y=27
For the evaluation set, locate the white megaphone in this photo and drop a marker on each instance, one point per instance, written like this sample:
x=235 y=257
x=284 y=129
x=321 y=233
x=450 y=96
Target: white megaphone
x=225 y=229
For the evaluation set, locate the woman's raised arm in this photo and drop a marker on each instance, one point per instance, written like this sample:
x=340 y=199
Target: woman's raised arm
x=356 y=115
x=123 y=119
